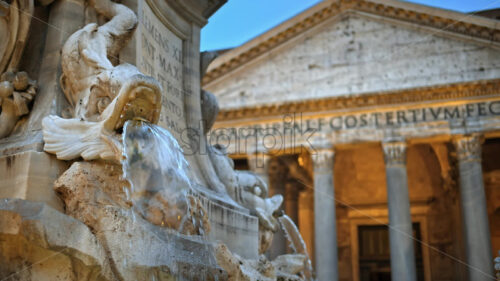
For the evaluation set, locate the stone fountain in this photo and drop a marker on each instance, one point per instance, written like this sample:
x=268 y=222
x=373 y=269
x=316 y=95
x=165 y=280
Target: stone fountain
x=106 y=173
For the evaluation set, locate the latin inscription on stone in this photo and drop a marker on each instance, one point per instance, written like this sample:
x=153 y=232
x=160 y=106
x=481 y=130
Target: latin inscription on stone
x=294 y=124
x=160 y=55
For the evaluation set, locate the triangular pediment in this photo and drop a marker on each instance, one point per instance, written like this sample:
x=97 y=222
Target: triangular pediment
x=354 y=53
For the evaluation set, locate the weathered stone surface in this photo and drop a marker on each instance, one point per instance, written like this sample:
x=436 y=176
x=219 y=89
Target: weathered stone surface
x=16 y=94
x=354 y=55
x=400 y=225
x=31 y=176
x=243 y=270
x=103 y=96
x=138 y=250
x=233 y=225
x=246 y=188
x=40 y=243
x=474 y=209
x=289 y=266
x=325 y=227
x=283 y=268
x=114 y=240
x=87 y=185
x=161 y=57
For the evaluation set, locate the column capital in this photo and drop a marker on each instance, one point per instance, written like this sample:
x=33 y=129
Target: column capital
x=468 y=147
x=322 y=153
x=394 y=153
x=323 y=159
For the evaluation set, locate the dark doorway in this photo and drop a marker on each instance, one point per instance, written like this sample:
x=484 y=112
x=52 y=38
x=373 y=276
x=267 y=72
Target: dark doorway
x=375 y=255
x=241 y=164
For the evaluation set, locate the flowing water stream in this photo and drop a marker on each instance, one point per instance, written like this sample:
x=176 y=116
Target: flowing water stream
x=162 y=193
x=157 y=171
x=160 y=189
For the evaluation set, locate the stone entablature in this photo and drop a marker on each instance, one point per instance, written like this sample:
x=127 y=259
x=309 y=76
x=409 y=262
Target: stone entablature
x=399 y=117
x=440 y=93
x=414 y=117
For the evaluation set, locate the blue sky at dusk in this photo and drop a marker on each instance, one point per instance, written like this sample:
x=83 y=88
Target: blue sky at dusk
x=241 y=20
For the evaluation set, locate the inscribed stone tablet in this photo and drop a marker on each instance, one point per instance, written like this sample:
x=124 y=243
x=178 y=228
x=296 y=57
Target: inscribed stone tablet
x=160 y=55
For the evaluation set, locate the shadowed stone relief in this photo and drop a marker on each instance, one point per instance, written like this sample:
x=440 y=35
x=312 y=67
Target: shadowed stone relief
x=17 y=90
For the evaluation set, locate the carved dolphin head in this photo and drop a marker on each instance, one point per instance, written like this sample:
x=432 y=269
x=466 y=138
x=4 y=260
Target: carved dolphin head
x=103 y=95
x=113 y=98
x=126 y=94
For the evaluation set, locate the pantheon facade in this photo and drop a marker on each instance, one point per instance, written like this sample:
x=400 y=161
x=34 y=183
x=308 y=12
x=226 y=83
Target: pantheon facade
x=379 y=122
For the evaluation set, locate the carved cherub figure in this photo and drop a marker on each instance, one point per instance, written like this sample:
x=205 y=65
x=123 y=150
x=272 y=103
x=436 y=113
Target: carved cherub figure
x=16 y=93
x=103 y=96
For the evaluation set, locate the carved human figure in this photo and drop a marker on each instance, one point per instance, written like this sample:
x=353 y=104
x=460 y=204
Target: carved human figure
x=103 y=96
x=16 y=93
x=246 y=188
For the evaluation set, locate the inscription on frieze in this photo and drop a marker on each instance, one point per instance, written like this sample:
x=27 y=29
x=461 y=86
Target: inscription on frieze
x=294 y=124
x=160 y=55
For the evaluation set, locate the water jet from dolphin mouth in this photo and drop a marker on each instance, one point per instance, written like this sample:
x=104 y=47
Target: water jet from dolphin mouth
x=160 y=189
x=154 y=165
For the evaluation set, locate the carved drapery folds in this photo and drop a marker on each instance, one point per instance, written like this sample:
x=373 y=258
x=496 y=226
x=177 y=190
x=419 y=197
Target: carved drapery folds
x=394 y=153
x=468 y=148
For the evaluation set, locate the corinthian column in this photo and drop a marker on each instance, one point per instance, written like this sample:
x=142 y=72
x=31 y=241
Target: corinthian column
x=400 y=227
x=325 y=229
x=474 y=213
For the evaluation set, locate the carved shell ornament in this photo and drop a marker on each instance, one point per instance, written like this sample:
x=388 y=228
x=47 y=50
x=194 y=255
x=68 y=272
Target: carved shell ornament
x=17 y=90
